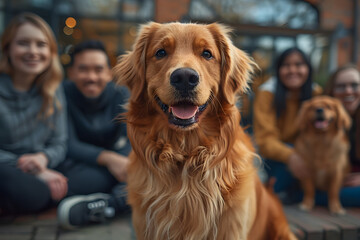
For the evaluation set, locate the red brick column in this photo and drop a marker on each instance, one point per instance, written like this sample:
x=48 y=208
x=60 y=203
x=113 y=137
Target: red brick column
x=170 y=11
x=332 y=13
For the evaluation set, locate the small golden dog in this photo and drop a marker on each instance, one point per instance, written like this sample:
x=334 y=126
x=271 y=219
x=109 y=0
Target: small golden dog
x=324 y=146
x=191 y=174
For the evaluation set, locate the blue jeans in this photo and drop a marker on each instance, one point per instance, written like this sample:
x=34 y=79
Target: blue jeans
x=286 y=183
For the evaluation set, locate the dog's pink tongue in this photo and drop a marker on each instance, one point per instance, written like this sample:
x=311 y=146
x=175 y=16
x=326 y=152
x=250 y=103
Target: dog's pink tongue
x=184 y=111
x=321 y=124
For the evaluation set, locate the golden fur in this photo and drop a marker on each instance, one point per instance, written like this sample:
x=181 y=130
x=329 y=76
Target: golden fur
x=324 y=146
x=192 y=180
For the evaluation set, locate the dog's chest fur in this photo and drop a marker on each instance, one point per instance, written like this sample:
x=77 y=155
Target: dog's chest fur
x=324 y=155
x=190 y=194
x=182 y=198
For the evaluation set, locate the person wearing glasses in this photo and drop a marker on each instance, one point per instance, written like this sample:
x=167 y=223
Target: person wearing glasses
x=344 y=84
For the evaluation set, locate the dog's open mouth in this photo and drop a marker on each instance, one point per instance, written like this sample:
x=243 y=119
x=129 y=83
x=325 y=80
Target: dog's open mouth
x=182 y=114
x=321 y=124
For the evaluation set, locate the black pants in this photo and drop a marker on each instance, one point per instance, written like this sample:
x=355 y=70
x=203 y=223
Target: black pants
x=22 y=192
x=84 y=179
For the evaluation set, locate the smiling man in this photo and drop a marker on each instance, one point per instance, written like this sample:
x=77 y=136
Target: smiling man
x=90 y=69
x=98 y=144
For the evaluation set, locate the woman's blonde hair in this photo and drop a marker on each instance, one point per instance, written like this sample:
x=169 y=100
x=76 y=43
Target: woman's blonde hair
x=47 y=81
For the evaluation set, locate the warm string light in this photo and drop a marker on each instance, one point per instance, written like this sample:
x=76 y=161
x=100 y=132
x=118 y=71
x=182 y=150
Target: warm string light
x=70 y=22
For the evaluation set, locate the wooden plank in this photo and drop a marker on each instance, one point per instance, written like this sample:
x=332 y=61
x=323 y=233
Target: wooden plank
x=313 y=227
x=299 y=233
x=354 y=213
x=349 y=224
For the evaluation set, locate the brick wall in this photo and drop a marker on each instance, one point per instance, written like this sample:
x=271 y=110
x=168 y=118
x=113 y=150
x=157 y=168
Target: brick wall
x=170 y=10
x=332 y=14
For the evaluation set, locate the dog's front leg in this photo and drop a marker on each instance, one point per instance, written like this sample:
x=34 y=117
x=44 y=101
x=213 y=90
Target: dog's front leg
x=309 y=194
x=335 y=206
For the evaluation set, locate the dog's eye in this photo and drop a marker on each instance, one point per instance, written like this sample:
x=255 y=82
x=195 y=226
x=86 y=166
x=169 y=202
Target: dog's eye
x=207 y=54
x=160 y=53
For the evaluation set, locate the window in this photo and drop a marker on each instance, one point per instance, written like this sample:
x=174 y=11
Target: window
x=280 y=13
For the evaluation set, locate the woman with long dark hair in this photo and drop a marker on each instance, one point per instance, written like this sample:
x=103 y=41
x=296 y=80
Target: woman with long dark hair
x=276 y=106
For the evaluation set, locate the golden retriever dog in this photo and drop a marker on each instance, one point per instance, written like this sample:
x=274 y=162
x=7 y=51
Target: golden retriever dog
x=191 y=174
x=324 y=146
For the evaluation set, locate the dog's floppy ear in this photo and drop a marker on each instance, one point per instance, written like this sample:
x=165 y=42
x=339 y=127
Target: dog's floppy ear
x=344 y=119
x=236 y=65
x=131 y=67
x=301 y=117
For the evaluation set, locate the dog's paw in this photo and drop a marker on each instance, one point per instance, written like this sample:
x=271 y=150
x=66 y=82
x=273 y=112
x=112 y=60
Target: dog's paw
x=337 y=210
x=305 y=207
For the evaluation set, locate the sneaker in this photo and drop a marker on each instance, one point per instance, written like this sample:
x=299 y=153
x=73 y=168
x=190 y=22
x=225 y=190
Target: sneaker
x=82 y=210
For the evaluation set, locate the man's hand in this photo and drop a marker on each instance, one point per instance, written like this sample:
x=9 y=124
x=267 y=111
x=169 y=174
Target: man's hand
x=56 y=182
x=115 y=163
x=298 y=166
x=33 y=163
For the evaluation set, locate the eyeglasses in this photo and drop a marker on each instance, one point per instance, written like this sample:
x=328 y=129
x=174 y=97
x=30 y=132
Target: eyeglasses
x=340 y=88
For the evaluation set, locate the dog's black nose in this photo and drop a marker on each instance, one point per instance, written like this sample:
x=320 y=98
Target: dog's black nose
x=184 y=79
x=319 y=111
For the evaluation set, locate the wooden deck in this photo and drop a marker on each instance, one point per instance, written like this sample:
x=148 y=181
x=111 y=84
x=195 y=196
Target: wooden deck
x=319 y=224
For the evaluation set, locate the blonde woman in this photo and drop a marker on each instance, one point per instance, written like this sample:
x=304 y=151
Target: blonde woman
x=32 y=117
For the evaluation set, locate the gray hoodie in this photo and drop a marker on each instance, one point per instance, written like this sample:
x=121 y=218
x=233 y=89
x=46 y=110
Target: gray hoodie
x=23 y=131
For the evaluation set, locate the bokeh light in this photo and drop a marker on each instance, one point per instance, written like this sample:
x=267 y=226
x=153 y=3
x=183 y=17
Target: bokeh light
x=133 y=31
x=65 y=59
x=77 y=34
x=68 y=31
x=70 y=22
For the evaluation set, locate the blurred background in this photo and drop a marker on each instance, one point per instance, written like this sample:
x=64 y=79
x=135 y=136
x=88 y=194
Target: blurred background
x=327 y=30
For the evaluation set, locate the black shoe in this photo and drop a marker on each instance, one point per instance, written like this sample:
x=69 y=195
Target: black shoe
x=81 y=210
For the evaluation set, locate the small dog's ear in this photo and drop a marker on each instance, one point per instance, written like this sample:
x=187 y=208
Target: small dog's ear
x=344 y=119
x=131 y=67
x=300 y=122
x=236 y=65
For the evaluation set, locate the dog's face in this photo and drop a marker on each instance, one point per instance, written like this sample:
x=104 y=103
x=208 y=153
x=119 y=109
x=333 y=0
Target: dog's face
x=323 y=113
x=181 y=69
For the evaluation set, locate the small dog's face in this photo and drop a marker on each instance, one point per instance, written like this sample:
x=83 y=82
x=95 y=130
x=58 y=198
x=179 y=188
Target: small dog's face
x=323 y=114
x=181 y=70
